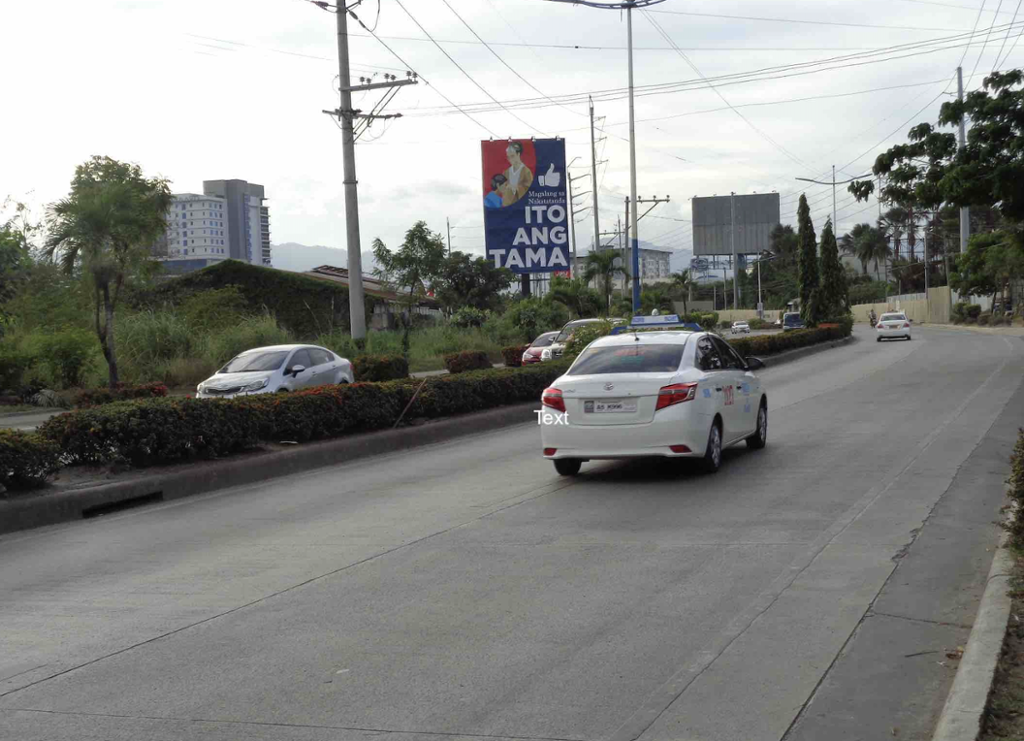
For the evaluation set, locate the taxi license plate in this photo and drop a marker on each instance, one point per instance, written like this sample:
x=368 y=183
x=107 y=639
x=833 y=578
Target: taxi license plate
x=610 y=406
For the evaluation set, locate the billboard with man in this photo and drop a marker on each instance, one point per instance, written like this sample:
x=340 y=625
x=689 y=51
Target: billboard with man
x=526 y=224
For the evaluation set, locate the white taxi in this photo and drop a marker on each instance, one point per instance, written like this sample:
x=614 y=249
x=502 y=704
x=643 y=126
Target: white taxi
x=672 y=393
x=892 y=325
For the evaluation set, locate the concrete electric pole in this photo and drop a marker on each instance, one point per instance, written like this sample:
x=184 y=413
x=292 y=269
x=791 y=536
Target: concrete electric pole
x=346 y=115
x=965 y=213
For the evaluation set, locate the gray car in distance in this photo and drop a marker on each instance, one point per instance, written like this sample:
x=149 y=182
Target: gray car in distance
x=265 y=370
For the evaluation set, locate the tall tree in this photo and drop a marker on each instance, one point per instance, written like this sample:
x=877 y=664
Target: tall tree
x=603 y=265
x=411 y=270
x=808 y=263
x=107 y=226
x=833 y=297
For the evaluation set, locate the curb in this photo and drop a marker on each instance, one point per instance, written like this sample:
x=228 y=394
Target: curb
x=771 y=361
x=28 y=511
x=968 y=697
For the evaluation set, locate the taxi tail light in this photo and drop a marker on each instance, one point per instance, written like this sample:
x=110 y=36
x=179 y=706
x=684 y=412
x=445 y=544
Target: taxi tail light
x=906 y=326
x=553 y=398
x=679 y=448
x=677 y=393
x=550 y=451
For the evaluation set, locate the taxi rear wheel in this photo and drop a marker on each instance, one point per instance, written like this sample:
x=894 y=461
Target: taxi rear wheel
x=760 y=437
x=712 y=460
x=568 y=466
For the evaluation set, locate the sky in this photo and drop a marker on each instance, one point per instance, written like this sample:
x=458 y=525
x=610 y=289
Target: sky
x=194 y=90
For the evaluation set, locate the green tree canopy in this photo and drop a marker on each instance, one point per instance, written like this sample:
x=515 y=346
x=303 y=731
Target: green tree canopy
x=833 y=298
x=465 y=280
x=808 y=262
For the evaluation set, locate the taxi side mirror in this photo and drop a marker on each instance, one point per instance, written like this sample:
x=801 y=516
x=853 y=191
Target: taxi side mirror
x=755 y=364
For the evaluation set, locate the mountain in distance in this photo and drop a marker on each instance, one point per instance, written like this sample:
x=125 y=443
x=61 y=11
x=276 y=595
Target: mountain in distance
x=298 y=258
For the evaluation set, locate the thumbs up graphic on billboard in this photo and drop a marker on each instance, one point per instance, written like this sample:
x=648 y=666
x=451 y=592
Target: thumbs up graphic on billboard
x=552 y=179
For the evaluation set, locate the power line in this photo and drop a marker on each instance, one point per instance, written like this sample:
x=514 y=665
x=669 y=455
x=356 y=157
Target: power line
x=463 y=71
x=1006 y=38
x=982 y=52
x=794 y=20
x=423 y=78
x=760 y=75
x=760 y=132
x=499 y=58
x=1014 y=46
x=594 y=47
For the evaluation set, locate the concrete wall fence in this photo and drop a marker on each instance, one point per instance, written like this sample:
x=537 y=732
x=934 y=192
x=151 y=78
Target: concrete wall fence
x=935 y=309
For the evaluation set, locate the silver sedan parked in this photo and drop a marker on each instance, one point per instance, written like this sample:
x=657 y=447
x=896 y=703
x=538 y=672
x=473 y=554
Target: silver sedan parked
x=276 y=368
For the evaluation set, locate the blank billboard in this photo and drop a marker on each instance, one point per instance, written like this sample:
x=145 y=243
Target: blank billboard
x=756 y=216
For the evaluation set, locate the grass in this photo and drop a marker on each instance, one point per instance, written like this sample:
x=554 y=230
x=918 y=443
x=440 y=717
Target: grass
x=1004 y=717
x=163 y=346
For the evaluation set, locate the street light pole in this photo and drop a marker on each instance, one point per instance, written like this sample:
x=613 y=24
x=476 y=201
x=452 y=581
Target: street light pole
x=631 y=225
x=835 y=226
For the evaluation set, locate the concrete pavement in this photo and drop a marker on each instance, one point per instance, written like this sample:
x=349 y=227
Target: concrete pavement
x=465 y=589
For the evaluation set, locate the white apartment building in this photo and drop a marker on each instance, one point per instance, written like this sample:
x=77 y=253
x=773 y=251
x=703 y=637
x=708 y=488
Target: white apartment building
x=197 y=228
x=227 y=222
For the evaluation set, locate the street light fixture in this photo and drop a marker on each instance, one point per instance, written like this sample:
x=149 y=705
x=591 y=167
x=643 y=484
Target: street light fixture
x=628 y=6
x=835 y=226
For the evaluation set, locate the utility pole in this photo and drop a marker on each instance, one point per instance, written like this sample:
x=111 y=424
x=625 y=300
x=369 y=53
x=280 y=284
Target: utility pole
x=347 y=116
x=625 y=248
x=965 y=213
x=637 y=216
x=448 y=223
x=593 y=174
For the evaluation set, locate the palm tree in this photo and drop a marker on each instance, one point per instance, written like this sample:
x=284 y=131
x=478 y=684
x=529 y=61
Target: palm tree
x=576 y=295
x=893 y=225
x=852 y=243
x=106 y=226
x=681 y=286
x=656 y=296
x=603 y=265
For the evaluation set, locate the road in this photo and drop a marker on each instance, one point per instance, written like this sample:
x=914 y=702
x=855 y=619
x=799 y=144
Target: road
x=465 y=589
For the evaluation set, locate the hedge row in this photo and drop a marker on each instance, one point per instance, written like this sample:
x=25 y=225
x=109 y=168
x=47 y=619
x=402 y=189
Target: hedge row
x=159 y=431
x=771 y=344
x=26 y=459
x=95 y=397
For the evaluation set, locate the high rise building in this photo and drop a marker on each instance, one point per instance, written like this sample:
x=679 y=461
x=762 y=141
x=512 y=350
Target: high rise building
x=228 y=221
x=248 y=219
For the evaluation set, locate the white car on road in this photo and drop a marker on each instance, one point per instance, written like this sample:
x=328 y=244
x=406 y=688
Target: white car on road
x=892 y=325
x=740 y=328
x=276 y=368
x=675 y=394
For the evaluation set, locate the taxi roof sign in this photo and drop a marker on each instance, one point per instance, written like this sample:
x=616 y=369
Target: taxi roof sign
x=669 y=321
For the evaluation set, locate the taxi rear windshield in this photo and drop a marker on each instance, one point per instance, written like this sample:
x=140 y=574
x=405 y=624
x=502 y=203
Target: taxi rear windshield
x=634 y=358
x=893 y=318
